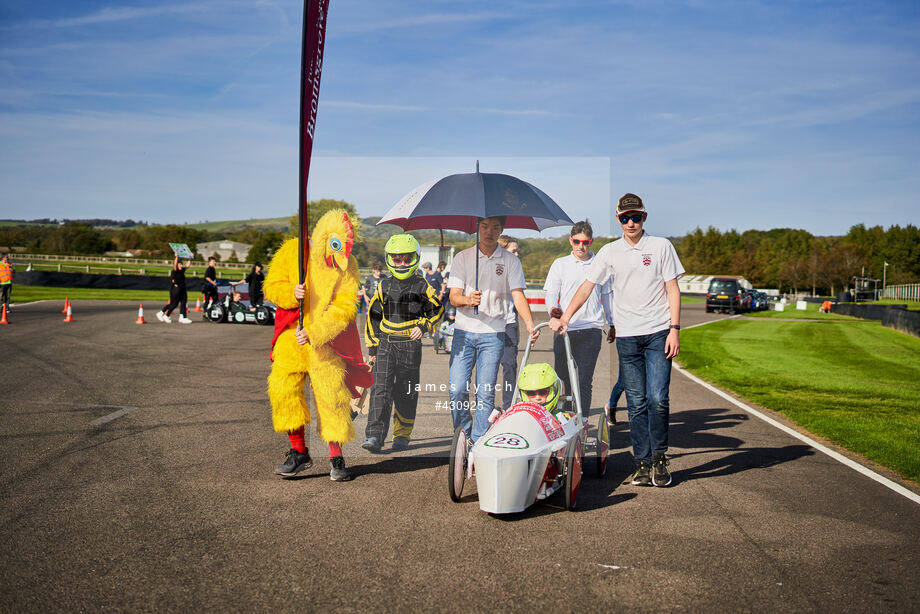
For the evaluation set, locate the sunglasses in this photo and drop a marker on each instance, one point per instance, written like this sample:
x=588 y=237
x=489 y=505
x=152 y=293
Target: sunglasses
x=635 y=217
x=543 y=392
x=582 y=241
x=400 y=259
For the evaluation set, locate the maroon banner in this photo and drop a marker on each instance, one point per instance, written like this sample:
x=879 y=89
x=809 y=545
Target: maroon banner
x=314 y=38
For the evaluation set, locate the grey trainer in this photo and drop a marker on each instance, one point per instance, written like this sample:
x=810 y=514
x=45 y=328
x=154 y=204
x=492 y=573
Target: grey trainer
x=338 y=473
x=294 y=463
x=661 y=475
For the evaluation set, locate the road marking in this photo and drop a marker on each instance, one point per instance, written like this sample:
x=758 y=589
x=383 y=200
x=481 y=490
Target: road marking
x=112 y=416
x=817 y=446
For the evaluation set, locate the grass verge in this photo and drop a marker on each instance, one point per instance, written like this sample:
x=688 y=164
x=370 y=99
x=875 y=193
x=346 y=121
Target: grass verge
x=855 y=383
x=809 y=313
x=27 y=294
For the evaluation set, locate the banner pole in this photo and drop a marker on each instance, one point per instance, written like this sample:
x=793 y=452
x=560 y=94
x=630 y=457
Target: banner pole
x=312 y=44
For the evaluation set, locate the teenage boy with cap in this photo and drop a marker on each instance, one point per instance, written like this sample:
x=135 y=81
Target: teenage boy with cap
x=646 y=310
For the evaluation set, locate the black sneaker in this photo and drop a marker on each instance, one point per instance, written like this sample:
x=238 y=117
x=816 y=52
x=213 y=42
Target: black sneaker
x=338 y=473
x=371 y=444
x=294 y=463
x=400 y=444
x=661 y=476
x=643 y=474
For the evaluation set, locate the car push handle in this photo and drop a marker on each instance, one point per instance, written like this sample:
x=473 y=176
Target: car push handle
x=570 y=364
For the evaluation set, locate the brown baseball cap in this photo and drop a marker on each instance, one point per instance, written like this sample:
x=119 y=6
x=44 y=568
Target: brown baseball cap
x=629 y=202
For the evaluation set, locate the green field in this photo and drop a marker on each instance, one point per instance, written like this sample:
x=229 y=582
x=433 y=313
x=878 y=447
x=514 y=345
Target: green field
x=853 y=382
x=27 y=294
x=156 y=270
x=280 y=224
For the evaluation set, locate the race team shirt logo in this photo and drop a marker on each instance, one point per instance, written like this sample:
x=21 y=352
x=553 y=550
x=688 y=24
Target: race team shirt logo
x=646 y=259
x=499 y=268
x=547 y=422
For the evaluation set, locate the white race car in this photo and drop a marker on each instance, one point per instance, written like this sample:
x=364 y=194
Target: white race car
x=528 y=454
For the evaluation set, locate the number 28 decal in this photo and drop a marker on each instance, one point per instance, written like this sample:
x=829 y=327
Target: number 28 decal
x=507 y=440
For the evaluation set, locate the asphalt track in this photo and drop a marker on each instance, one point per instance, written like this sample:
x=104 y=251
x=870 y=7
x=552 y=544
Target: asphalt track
x=137 y=476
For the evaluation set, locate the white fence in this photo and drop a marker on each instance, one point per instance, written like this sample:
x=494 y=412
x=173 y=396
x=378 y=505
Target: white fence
x=904 y=292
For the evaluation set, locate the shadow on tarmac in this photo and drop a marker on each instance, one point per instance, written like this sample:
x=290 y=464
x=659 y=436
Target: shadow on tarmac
x=741 y=460
x=692 y=430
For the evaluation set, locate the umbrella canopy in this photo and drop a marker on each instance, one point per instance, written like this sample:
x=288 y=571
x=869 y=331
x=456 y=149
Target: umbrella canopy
x=458 y=202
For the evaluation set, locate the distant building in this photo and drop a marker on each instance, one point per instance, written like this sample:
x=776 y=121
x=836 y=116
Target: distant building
x=435 y=254
x=223 y=249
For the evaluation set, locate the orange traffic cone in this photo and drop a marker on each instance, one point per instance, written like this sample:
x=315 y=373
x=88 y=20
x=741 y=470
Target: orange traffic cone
x=140 y=315
x=197 y=304
x=3 y=320
x=69 y=317
x=66 y=305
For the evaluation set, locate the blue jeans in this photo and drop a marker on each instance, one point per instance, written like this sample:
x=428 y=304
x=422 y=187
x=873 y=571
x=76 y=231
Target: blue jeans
x=509 y=363
x=617 y=391
x=586 y=345
x=484 y=350
x=646 y=374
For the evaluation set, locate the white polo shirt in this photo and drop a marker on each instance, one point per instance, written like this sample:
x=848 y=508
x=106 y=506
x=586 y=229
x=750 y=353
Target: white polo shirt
x=640 y=306
x=565 y=275
x=499 y=274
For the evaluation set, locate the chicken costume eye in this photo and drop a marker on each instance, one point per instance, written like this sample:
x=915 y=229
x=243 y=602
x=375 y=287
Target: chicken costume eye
x=340 y=239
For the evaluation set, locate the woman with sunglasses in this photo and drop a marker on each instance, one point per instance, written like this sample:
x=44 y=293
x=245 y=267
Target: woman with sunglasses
x=586 y=328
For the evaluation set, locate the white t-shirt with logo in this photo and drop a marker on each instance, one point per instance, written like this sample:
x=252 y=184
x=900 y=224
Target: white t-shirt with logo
x=565 y=276
x=499 y=274
x=640 y=304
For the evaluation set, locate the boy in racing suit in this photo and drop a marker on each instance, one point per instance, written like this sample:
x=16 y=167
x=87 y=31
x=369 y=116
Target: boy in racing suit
x=402 y=308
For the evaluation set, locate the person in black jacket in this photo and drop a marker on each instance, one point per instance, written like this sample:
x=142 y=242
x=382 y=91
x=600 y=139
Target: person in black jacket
x=210 y=284
x=402 y=308
x=178 y=295
x=255 y=279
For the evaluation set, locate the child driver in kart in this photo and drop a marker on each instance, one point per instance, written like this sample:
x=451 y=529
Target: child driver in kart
x=539 y=384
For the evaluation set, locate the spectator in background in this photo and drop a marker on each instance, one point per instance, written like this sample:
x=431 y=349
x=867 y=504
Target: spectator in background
x=255 y=279
x=586 y=326
x=6 y=280
x=512 y=334
x=434 y=278
x=210 y=283
x=443 y=290
x=370 y=283
x=178 y=294
x=479 y=338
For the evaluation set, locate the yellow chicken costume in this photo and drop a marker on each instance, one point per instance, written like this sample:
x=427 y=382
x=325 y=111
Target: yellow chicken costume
x=332 y=354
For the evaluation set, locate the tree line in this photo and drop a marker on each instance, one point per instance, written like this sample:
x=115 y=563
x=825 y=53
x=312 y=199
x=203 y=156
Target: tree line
x=791 y=260
x=796 y=261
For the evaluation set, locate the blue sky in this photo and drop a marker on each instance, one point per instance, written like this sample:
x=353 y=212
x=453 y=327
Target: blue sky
x=725 y=113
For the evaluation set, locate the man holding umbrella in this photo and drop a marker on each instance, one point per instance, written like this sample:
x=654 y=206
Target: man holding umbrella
x=479 y=333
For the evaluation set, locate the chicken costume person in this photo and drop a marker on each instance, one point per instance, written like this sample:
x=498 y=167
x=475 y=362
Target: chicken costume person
x=328 y=348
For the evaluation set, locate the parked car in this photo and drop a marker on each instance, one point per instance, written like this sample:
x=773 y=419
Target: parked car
x=726 y=295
